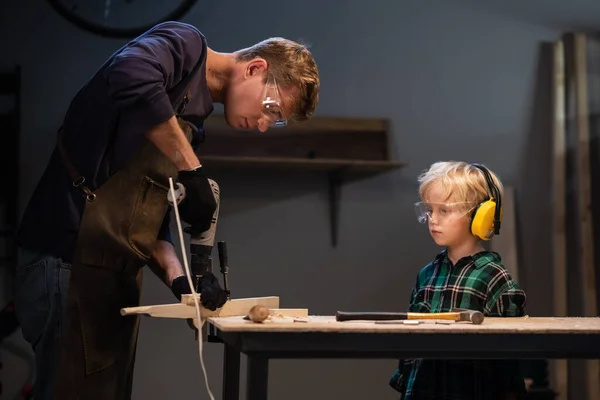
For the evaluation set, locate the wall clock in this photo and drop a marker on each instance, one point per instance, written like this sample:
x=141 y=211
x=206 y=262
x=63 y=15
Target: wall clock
x=120 y=18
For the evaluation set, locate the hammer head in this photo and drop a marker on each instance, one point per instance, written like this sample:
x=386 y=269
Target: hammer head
x=472 y=316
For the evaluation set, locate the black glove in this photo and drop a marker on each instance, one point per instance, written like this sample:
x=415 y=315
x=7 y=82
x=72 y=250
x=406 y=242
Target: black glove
x=199 y=205
x=180 y=286
x=211 y=294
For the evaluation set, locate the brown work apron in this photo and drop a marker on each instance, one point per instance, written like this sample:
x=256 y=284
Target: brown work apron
x=118 y=232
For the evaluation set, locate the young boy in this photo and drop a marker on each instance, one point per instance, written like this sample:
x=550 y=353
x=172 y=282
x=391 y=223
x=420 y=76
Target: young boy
x=461 y=205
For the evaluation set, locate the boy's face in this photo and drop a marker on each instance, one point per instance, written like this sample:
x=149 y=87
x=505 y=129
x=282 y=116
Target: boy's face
x=449 y=221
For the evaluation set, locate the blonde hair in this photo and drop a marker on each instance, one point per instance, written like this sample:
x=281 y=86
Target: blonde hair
x=460 y=181
x=293 y=66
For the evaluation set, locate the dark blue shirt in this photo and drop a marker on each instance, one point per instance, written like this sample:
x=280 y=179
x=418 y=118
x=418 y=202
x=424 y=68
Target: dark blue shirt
x=137 y=88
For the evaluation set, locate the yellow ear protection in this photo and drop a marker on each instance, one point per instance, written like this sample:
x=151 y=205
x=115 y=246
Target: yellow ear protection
x=488 y=215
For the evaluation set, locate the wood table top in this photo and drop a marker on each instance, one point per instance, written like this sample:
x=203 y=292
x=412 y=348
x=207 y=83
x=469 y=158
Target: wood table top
x=325 y=324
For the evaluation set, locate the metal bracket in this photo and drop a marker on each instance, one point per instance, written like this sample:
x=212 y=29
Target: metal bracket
x=335 y=183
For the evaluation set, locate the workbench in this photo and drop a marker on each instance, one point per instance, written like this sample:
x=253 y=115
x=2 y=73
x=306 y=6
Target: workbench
x=324 y=337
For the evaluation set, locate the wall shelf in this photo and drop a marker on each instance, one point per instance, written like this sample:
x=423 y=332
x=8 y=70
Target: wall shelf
x=343 y=148
x=327 y=165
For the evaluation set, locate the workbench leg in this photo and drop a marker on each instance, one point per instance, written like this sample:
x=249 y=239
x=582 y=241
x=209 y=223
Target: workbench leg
x=257 y=382
x=231 y=374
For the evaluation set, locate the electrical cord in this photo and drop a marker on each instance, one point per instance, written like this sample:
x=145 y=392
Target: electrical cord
x=189 y=277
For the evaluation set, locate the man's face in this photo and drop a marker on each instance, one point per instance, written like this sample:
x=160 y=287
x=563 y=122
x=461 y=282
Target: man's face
x=252 y=104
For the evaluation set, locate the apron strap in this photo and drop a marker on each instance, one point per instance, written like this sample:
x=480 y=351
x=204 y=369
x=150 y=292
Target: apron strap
x=77 y=179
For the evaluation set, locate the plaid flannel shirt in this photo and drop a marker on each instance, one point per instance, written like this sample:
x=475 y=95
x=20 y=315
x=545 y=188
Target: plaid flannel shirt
x=477 y=282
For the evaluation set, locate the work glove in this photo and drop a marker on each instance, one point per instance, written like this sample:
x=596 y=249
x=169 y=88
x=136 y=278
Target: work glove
x=211 y=293
x=180 y=286
x=212 y=296
x=198 y=206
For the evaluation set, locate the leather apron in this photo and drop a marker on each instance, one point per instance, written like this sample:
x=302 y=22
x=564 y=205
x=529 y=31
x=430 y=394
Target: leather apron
x=118 y=231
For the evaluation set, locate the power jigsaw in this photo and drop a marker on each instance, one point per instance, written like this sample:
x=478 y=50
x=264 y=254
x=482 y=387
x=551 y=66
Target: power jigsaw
x=201 y=244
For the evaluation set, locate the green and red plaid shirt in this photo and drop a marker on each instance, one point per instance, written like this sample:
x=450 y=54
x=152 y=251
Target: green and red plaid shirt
x=477 y=282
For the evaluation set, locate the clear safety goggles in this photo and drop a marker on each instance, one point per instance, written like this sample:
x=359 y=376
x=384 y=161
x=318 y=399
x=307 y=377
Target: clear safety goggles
x=442 y=212
x=272 y=107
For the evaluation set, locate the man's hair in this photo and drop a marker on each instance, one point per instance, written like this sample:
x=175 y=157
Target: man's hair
x=293 y=66
x=461 y=182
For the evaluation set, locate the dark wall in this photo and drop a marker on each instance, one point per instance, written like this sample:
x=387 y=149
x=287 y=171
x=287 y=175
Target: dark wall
x=459 y=81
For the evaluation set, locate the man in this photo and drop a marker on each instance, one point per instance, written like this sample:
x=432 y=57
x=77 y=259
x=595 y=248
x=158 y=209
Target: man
x=100 y=211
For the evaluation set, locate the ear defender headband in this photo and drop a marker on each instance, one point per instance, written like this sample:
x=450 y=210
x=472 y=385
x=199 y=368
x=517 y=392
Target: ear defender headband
x=488 y=215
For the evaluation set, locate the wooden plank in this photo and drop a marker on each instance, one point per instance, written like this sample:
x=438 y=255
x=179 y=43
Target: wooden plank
x=584 y=204
x=576 y=368
x=584 y=212
x=505 y=243
x=187 y=310
x=559 y=215
x=593 y=102
x=593 y=85
x=559 y=220
x=530 y=325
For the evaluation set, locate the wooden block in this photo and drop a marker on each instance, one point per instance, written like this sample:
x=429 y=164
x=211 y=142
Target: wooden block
x=186 y=309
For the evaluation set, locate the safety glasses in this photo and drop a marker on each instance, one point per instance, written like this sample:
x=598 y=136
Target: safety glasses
x=272 y=107
x=442 y=212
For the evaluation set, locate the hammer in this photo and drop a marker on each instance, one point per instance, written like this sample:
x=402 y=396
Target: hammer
x=456 y=314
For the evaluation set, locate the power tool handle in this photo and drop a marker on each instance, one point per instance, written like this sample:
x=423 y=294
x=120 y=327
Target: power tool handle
x=223 y=254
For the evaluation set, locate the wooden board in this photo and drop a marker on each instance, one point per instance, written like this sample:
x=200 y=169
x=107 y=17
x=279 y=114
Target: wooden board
x=187 y=310
x=593 y=84
x=584 y=183
x=538 y=325
x=585 y=221
x=559 y=211
x=505 y=243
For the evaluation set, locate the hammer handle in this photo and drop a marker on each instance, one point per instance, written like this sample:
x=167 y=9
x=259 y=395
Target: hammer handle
x=390 y=316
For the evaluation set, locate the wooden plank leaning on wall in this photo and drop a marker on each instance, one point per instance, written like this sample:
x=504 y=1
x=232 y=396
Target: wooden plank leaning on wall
x=584 y=203
x=591 y=51
x=559 y=217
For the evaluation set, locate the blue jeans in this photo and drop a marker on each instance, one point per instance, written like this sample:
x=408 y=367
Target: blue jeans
x=41 y=287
